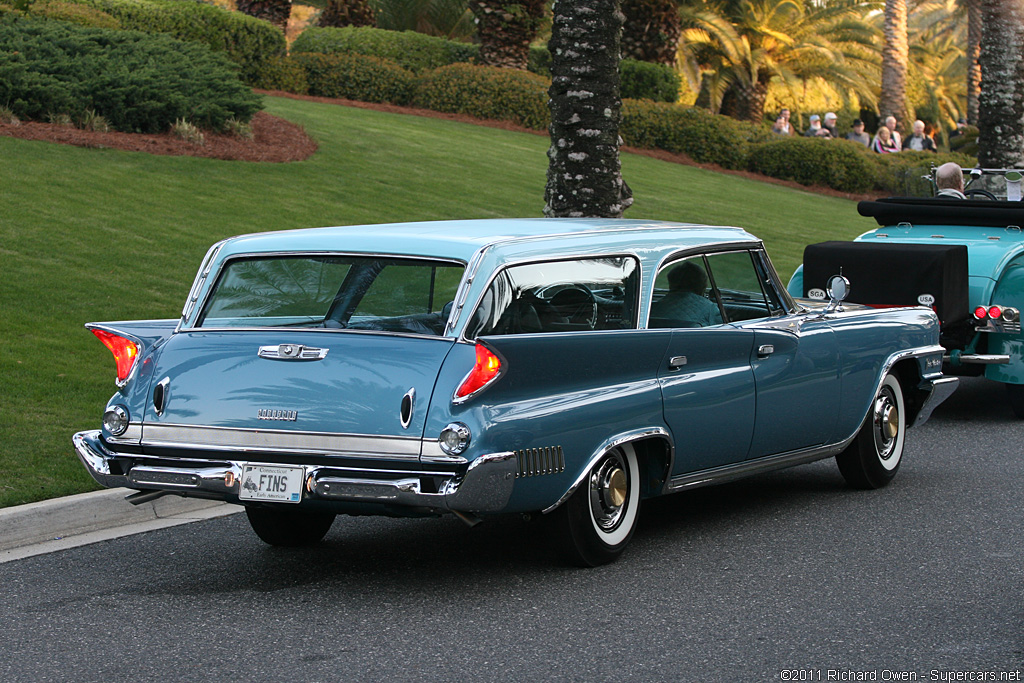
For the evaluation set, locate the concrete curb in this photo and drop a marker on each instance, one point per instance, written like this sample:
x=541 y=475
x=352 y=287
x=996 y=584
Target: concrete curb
x=63 y=519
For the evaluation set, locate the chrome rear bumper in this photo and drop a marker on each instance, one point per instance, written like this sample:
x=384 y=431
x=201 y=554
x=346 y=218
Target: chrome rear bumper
x=485 y=487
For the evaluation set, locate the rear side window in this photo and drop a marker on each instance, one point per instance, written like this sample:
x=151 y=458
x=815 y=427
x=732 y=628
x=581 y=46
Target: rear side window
x=560 y=296
x=343 y=292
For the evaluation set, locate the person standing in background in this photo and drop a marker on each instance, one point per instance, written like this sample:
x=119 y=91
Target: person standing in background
x=858 y=134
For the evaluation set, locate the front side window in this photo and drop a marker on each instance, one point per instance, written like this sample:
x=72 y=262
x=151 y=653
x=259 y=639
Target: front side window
x=351 y=292
x=560 y=296
x=739 y=283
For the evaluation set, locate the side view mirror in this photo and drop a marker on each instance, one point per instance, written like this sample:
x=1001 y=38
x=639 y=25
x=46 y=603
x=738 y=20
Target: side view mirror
x=838 y=289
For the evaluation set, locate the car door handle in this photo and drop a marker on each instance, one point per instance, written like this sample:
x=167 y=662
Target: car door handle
x=676 y=362
x=765 y=350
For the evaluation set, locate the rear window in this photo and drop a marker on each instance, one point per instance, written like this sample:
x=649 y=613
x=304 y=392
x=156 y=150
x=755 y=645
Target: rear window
x=336 y=292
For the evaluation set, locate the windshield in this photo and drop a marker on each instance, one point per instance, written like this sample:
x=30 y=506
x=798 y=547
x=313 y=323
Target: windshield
x=339 y=292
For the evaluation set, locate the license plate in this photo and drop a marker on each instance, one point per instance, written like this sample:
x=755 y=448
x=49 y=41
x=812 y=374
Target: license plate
x=271 y=483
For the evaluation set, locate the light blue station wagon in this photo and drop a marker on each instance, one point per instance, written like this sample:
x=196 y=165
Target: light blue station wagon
x=564 y=367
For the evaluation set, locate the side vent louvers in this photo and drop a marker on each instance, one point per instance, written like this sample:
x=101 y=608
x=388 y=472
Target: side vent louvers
x=534 y=462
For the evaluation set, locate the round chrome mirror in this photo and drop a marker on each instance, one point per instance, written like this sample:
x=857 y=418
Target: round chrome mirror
x=838 y=288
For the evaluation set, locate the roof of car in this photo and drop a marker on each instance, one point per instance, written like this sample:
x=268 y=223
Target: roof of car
x=460 y=239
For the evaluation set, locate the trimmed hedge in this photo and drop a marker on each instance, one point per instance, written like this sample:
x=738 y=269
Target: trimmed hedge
x=840 y=164
x=420 y=53
x=704 y=137
x=486 y=92
x=74 y=13
x=356 y=77
x=138 y=82
x=901 y=174
x=644 y=80
x=282 y=73
x=247 y=41
x=416 y=52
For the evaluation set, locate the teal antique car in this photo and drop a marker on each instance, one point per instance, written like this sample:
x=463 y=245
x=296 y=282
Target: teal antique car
x=563 y=367
x=964 y=258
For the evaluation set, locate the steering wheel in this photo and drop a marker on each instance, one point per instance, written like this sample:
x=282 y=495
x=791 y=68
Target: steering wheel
x=577 y=305
x=978 y=192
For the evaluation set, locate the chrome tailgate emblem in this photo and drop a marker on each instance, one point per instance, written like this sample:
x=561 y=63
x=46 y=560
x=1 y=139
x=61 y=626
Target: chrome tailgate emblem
x=292 y=352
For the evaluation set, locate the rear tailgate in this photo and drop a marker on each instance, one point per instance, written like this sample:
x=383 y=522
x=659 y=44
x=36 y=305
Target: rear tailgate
x=335 y=393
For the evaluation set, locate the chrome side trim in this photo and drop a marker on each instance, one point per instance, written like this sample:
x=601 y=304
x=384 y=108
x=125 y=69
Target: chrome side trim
x=719 y=475
x=607 y=445
x=285 y=441
x=433 y=454
x=132 y=435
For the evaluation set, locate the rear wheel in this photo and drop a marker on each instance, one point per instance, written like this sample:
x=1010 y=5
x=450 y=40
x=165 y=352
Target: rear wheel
x=596 y=523
x=1015 y=392
x=871 y=461
x=289 y=528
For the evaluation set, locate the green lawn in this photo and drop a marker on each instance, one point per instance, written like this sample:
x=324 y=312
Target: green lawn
x=91 y=235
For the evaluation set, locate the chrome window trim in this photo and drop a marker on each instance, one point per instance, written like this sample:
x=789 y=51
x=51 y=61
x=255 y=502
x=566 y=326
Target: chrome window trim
x=299 y=254
x=571 y=257
x=244 y=440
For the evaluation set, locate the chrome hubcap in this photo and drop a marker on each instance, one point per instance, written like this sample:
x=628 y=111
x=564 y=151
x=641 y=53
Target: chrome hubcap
x=609 y=491
x=886 y=423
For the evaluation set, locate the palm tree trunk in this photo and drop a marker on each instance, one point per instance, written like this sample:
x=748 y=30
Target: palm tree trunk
x=276 y=12
x=973 y=51
x=895 y=56
x=652 y=29
x=1001 y=102
x=505 y=30
x=584 y=172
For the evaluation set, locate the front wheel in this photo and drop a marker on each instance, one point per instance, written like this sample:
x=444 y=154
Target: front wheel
x=596 y=523
x=871 y=461
x=288 y=527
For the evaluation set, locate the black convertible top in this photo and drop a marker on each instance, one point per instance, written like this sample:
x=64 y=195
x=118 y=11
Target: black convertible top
x=942 y=211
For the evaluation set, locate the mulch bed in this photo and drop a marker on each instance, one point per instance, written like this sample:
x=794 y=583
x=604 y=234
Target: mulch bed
x=277 y=140
x=274 y=140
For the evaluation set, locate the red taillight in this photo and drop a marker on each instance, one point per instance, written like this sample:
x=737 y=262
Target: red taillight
x=980 y=312
x=125 y=352
x=487 y=367
x=995 y=312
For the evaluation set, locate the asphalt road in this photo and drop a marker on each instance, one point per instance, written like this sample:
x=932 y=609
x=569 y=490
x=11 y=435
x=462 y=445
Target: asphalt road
x=787 y=576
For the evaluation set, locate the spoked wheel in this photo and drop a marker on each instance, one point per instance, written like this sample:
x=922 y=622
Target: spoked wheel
x=871 y=461
x=288 y=527
x=596 y=523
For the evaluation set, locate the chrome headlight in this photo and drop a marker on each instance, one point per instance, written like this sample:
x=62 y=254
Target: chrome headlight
x=115 y=420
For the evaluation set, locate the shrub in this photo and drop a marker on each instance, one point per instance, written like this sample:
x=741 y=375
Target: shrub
x=7 y=116
x=486 y=92
x=356 y=77
x=137 y=82
x=648 y=81
x=187 y=132
x=247 y=41
x=416 y=52
x=704 y=137
x=74 y=13
x=967 y=143
x=282 y=73
x=92 y=121
x=902 y=174
x=840 y=164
